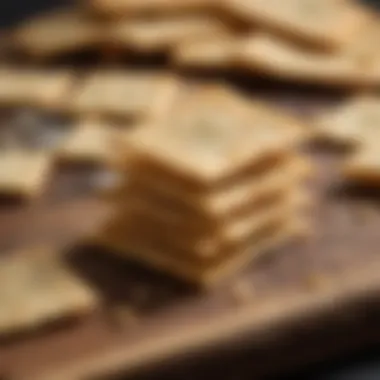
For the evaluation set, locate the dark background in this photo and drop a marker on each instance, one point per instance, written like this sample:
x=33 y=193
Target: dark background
x=364 y=365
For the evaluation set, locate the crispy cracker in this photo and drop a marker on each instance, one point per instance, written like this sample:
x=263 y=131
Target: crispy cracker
x=59 y=32
x=120 y=8
x=218 y=204
x=153 y=255
x=162 y=34
x=271 y=56
x=90 y=142
x=325 y=23
x=364 y=46
x=206 y=52
x=355 y=122
x=208 y=245
x=363 y=168
x=46 y=89
x=23 y=173
x=125 y=95
x=37 y=289
x=197 y=141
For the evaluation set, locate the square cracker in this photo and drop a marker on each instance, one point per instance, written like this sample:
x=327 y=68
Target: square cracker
x=363 y=168
x=56 y=33
x=23 y=173
x=198 y=142
x=37 y=288
x=46 y=89
x=130 y=95
x=364 y=47
x=162 y=34
x=152 y=254
x=274 y=57
x=209 y=245
x=206 y=52
x=90 y=141
x=120 y=8
x=220 y=203
x=355 y=122
x=325 y=23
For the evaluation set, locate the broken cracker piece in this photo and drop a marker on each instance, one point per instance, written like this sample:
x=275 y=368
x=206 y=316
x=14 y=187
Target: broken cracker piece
x=126 y=95
x=23 y=173
x=37 y=289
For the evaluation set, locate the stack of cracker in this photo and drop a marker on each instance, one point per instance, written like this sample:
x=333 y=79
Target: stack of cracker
x=208 y=191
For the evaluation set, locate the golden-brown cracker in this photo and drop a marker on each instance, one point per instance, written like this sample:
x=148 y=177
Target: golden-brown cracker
x=90 y=141
x=325 y=23
x=129 y=95
x=206 y=52
x=363 y=168
x=162 y=34
x=57 y=33
x=37 y=88
x=198 y=141
x=209 y=245
x=355 y=122
x=364 y=46
x=150 y=253
x=274 y=57
x=219 y=203
x=121 y=8
x=37 y=288
x=23 y=173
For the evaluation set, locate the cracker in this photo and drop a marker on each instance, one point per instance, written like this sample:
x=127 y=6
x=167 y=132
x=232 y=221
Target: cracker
x=209 y=245
x=57 y=33
x=206 y=52
x=223 y=202
x=364 y=46
x=127 y=245
x=162 y=34
x=37 y=289
x=355 y=122
x=46 y=89
x=129 y=95
x=324 y=23
x=363 y=168
x=202 y=144
x=120 y=8
x=277 y=58
x=23 y=173
x=90 y=141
